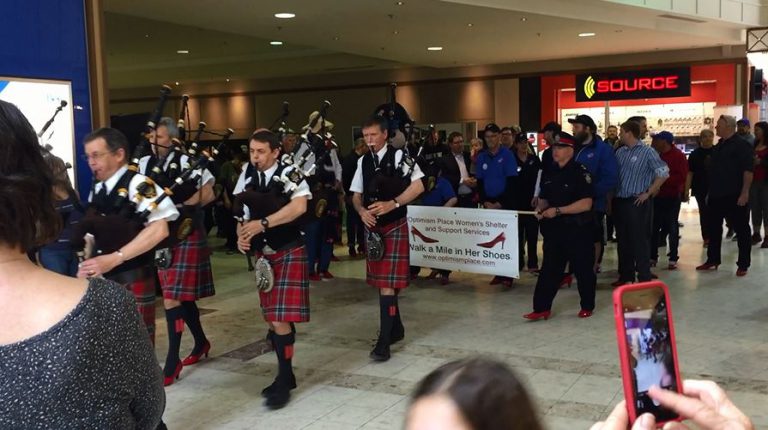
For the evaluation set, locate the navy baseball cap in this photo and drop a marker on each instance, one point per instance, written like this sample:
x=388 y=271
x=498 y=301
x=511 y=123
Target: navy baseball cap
x=584 y=120
x=665 y=135
x=492 y=127
x=551 y=126
x=743 y=121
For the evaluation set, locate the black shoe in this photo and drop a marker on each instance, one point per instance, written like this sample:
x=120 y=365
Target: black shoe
x=278 y=398
x=380 y=352
x=269 y=390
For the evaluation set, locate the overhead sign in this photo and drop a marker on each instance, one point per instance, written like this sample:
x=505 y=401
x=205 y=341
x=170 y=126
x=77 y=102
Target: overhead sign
x=465 y=240
x=640 y=84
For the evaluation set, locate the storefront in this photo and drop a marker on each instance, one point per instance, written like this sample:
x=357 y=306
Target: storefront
x=682 y=100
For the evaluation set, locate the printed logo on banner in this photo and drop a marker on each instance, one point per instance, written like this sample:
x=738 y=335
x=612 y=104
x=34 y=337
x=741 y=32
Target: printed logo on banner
x=465 y=240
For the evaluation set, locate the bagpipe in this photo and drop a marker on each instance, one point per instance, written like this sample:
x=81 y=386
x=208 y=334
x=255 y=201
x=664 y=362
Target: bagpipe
x=403 y=132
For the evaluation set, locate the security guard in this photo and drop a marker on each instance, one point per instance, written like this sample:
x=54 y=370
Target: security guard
x=565 y=211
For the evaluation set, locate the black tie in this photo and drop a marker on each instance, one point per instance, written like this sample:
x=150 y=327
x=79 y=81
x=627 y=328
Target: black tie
x=101 y=196
x=375 y=161
x=262 y=180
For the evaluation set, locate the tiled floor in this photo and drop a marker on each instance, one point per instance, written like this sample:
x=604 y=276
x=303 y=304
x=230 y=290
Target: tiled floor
x=569 y=364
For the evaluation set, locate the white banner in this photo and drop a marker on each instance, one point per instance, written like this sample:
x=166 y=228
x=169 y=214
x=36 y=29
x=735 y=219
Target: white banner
x=464 y=240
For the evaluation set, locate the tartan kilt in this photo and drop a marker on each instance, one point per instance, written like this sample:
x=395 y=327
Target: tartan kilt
x=143 y=290
x=393 y=270
x=288 y=301
x=189 y=278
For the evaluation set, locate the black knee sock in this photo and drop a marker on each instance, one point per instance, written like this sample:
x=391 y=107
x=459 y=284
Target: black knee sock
x=397 y=323
x=284 y=351
x=192 y=318
x=387 y=311
x=175 y=320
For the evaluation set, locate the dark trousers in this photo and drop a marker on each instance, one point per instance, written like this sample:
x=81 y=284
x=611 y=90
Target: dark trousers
x=319 y=249
x=666 y=211
x=227 y=225
x=737 y=218
x=633 y=226
x=565 y=243
x=609 y=226
x=355 y=228
x=528 y=234
x=466 y=201
x=701 y=201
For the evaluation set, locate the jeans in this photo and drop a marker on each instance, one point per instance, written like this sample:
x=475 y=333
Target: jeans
x=319 y=248
x=59 y=260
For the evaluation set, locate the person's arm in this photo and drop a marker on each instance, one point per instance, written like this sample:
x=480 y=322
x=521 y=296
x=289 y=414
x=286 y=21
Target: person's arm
x=145 y=241
x=294 y=209
x=577 y=207
x=203 y=196
x=747 y=183
x=652 y=190
x=607 y=175
x=368 y=218
x=452 y=202
x=687 y=189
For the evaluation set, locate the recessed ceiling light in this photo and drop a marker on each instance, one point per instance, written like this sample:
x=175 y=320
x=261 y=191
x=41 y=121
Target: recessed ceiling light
x=470 y=24
x=227 y=79
x=434 y=48
x=177 y=82
x=395 y=32
x=399 y=3
x=146 y=35
x=586 y=34
x=523 y=19
x=285 y=15
x=335 y=37
x=182 y=51
x=275 y=43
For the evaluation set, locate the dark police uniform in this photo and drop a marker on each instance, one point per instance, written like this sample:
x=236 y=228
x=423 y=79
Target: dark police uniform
x=566 y=237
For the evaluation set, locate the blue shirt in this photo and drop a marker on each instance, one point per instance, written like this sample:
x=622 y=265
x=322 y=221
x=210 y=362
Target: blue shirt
x=639 y=166
x=598 y=157
x=441 y=193
x=493 y=170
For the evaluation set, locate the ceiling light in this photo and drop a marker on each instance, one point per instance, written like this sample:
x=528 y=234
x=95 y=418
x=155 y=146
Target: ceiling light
x=285 y=15
x=146 y=35
x=275 y=43
x=395 y=32
x=227 y=79
x=335 y=37
x=177 y=82
x=399 y=3
x=586 y=34
x=469 y=25
x=182 y=51
x=434 y=48
x=523 y=19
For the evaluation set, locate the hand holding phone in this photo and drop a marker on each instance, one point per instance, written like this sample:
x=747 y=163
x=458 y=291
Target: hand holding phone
x=646 y=340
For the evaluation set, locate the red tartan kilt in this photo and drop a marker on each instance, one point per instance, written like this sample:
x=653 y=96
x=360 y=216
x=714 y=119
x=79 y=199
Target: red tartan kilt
x=189 y=278
x=288 y=301
x=144 y=294
x=393 y=270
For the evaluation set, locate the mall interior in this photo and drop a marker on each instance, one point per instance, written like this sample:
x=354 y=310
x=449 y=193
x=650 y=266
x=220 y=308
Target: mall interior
x=458 y=66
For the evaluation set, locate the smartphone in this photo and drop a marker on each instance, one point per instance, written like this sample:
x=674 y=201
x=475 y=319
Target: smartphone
x=646 y=339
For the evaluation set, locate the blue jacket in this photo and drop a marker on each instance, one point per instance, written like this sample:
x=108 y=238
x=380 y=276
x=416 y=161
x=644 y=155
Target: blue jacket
x=598 y=157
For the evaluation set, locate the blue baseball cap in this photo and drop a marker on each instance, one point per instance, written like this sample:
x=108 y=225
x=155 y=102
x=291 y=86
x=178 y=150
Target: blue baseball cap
x=665 y=135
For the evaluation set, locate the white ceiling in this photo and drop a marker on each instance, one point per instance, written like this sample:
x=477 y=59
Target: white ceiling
x=230 y=38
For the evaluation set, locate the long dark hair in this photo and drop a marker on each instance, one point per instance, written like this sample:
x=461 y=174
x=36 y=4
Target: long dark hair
x=486 y=392
x=763 y=126
x=27 y=215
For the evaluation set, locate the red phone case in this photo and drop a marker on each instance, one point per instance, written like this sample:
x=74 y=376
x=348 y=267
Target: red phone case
x=624 y=353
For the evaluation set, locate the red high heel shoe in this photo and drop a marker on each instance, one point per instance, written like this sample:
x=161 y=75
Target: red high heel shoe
x=567 y=281
x=585 y=313
x=535 y=316
x=708 y=266
x=169 y=380
x=194 y=358
x=500 y=238
x=741 y=272
x=415 y=232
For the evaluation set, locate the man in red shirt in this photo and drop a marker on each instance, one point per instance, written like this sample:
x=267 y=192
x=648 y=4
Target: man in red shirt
x=666 y=204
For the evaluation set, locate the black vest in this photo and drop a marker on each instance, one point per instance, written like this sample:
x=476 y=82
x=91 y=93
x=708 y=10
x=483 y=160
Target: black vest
x=384 y=184
x=264 y=201
x=114 y=223
x=166 y=177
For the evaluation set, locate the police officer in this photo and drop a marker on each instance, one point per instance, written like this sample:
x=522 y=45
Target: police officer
x=184 y=265
x=385 y=181
x=123 y=241
x=565 y=211
x=270 y=209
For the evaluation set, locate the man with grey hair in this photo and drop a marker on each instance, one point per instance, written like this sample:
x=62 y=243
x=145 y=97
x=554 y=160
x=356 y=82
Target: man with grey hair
x=730 y=177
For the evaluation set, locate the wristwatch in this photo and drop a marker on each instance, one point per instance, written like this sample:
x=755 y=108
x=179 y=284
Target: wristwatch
x=557 y=212
x=265 y=223
x=397 y=205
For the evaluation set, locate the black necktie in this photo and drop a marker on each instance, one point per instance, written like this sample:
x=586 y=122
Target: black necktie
x=375 y=161
x=262 y=180
x=101 y=196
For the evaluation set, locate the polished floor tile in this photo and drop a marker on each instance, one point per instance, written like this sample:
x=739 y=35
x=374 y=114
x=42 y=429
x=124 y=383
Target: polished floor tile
x=570 y=365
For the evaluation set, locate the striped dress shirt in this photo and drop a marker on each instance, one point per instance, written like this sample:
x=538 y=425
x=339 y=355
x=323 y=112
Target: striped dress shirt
x=639 y=166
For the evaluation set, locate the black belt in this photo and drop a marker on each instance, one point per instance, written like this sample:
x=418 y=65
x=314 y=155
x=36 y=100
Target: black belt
x=131 y=276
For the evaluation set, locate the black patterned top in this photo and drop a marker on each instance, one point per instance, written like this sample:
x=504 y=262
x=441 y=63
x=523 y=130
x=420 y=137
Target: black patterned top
x=94 y=369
